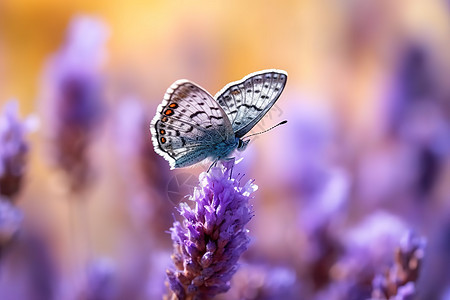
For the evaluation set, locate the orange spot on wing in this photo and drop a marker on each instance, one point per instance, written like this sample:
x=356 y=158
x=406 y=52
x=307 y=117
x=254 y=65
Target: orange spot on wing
x=163 y=140
x=173 y=105
x=168 y=112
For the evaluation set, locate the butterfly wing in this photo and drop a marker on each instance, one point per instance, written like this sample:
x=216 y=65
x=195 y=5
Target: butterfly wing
x=188 y=124
x=246 y=101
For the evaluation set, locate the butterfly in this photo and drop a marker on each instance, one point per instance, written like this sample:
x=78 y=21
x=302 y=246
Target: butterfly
x=190 y=125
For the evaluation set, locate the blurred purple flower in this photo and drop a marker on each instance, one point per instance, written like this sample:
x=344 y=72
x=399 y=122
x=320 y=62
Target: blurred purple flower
x=101 y=280
x=13 y=150
x=434 y=280
x=262 y=281
x=376 y=233
x=321 y=217
x=212 y=238
x=367 y=247
x=327 y=205
x=10 y=221
x=146 y=173
x=399 y=281
x=417 y=115
x=413 y=83
x=406 y=292
x=27 y=267
x=155 y=287
x=305 y=164
x=73 y=94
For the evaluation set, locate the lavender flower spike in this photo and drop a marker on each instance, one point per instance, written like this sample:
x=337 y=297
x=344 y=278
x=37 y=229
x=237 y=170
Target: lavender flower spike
x=13 y=149
x=212 y=237
x=72 y=94
x=399 y=281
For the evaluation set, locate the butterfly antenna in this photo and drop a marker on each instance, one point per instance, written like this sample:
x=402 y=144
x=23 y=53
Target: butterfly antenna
x=281 y=123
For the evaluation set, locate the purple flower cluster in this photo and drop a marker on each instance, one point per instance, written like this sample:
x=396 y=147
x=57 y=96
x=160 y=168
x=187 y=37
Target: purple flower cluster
x=399 y=281
x=212 y=237
x=13 y=150
x=13 y=155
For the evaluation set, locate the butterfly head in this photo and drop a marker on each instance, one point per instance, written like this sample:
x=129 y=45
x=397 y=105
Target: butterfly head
x=242 y=144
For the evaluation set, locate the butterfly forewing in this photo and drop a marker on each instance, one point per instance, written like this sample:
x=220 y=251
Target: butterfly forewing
x=246 y=101
x=188 y=123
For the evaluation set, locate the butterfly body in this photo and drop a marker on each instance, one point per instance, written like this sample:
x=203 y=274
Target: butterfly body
x=190 y=125
x=219 y=151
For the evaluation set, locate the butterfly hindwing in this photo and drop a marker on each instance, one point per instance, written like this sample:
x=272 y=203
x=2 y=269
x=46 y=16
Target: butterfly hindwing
x=247 y=101
x=187 y=124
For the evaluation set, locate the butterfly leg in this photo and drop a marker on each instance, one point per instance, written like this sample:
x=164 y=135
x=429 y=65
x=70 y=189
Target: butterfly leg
x=213 y=164
x=229 y=159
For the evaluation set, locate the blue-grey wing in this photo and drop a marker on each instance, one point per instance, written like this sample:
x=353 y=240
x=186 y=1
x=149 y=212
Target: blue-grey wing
x=247 y=101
